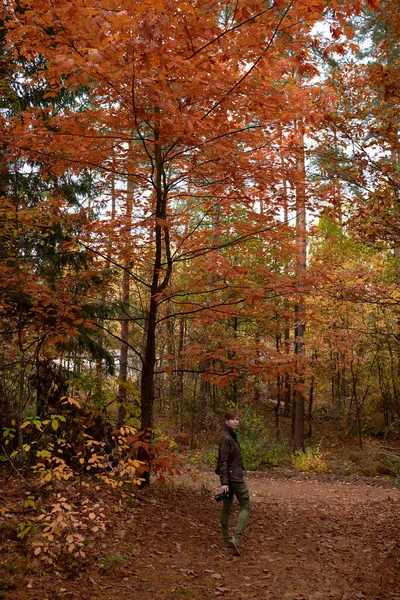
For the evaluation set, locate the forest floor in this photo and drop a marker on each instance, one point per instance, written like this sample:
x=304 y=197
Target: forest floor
x=308 y=538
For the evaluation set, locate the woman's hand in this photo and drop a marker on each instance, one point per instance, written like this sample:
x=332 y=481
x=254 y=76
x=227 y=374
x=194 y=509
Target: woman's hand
x=224 y=489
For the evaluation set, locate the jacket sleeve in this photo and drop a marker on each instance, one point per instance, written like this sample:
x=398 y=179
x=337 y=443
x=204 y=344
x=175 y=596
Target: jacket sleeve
x=223 y=456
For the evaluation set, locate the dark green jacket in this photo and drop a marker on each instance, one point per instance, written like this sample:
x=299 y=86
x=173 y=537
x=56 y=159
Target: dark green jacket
x=229 y=464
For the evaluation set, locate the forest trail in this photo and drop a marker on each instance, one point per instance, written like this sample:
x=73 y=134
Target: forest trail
x=307 y=539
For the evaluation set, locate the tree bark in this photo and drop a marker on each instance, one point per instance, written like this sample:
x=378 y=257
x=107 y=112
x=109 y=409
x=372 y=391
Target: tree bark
x=161 y=251
x=287 y=396
x=297 y=442
x=21 y=389
x=125 y=322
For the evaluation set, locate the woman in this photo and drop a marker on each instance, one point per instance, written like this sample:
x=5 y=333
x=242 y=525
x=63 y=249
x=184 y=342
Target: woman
x=230 y=471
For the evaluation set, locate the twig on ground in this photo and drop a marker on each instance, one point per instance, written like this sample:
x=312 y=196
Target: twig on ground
x=14 y=467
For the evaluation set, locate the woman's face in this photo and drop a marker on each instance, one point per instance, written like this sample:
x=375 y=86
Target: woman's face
x=233 y=423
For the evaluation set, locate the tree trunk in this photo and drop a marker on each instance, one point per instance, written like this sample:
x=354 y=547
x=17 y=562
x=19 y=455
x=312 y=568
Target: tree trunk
x=21 y=389
x=179 y=390
x=125 y=322
x=99 y=362
x=311 y=402
x=279 y=385
x=149 y=362
x=206 y=392
x=287 y=396
x=395 y=157
x=397 y=256
x=394 y=380
x=162 y=255
x=297 y=442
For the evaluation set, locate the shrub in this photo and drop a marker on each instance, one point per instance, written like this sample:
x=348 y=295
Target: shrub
x=394 y=463
x=310 y=461
x=210 y=457
x=253 y=437
x=275 y=454
x=60 y=529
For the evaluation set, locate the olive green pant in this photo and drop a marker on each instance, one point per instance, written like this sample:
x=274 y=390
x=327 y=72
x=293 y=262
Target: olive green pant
x=241 y=491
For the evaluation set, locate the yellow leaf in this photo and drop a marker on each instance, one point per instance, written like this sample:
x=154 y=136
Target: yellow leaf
x=69 y=400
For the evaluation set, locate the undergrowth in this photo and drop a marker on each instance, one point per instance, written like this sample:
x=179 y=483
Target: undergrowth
x=394 y=464
x=312 y=460
x=59 y=451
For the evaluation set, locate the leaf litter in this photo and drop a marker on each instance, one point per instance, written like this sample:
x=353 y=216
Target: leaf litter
x=306 y=540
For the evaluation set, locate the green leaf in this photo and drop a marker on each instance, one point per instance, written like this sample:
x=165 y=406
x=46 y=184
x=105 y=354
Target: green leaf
x=44 y=454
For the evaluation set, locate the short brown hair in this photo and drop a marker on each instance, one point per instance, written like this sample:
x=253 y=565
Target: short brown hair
x=231 y=414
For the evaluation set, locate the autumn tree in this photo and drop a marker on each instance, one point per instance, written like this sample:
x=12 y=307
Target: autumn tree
x=186 y=102
x=357 y=179
x=44 y=277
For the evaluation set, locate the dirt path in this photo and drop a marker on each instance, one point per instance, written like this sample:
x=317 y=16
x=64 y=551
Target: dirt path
x=307 y=539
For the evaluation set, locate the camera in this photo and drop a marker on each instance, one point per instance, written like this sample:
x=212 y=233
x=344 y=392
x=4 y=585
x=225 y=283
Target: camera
x=222 y=495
